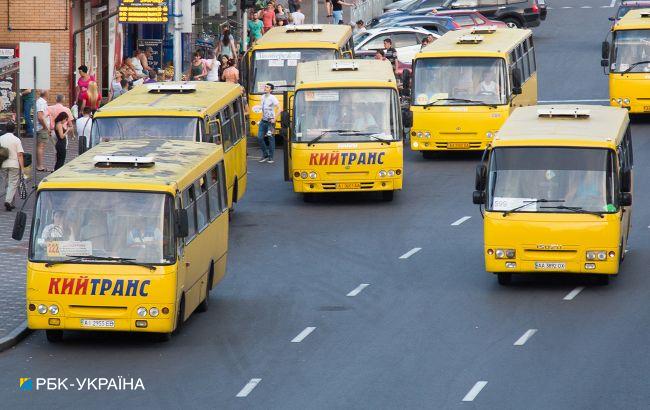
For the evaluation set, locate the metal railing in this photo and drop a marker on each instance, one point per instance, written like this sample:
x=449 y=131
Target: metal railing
x=367 y=9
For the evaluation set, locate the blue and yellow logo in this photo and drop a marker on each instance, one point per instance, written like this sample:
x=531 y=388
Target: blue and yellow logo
x=25 y=383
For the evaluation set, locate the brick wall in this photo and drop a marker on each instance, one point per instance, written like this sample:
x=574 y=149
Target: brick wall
x=18 y=18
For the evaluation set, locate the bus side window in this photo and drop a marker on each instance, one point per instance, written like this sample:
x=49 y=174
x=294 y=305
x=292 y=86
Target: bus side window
x=226 y=127
x=189 y=205
x=627 y=141
x=531 y=55
x=520 y=66
x=525 y=63
x=214 y=134
x=202 y=215
x=222 y=186
x=237 y=129
x=201 y=135
x=214 y=193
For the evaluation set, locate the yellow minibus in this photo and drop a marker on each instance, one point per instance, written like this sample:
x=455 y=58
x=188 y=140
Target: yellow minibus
x=466 y=83
x=627 y=61
x=556 y=185
x=201 y=111
x=344 y=129
x=130 y=236
x=274 y=58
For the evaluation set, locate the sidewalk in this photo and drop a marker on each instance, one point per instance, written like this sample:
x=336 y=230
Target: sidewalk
x=13 y=255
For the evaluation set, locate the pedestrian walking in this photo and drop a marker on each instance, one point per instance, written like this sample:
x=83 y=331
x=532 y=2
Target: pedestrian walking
x=28 y=105
x=83 y=126
x=294 y=5
x=197 y=69
x=92 y=98
x=268 y=17
x=231 y=74
x=226 y=46
x=281 y=16
x=13 y=165
x=255 y=27
x=337 y=10
x=213 y=66
x=329 y=11
x=267 y=124
x=297 y=16
x=359 y=27
x=61 y=140
x=82 y=83
x=153 y=77
x=58 y=108
x=42 y=128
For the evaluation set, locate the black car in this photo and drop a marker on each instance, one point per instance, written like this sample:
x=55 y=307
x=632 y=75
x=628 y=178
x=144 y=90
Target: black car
x=515 y=13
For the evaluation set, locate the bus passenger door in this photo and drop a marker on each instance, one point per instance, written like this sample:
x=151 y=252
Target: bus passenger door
x=285 y=121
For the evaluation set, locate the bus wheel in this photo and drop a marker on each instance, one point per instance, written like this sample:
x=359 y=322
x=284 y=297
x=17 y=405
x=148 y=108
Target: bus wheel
x=602 y=280
x=428 y=154
x=54 y=336
x=181 y=315
x=504 y=278
x=387 y=196
x=308 y=197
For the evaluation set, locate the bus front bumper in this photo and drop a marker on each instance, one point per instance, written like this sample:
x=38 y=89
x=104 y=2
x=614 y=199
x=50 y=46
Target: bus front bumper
x=316 y=186
x=552 y=262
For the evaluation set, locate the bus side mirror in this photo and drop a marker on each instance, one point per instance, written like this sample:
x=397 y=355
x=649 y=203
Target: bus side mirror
x=626 y=181
x=611 y=18
x=285 y=119
x=604 y=63
x=83 y=144
x=625 y=199
x=407 y=118
x=182 y=224
x=19 y=226
x=605 y=50
x=478 y=197
x=481 y=177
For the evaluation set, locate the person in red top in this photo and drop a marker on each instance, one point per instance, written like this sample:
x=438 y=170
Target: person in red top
x=84 y=80
x=92 y=98
x=268 y=17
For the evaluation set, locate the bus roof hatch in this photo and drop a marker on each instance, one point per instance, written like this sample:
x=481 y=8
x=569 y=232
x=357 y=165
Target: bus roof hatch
x=470 y=39
x=563 y=112
x=171 y=88
x=304 y=27
x=110 y=161
x=484 y=30
x=344 y=66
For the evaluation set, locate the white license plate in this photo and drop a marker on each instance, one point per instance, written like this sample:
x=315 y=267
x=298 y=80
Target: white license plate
x=97 y=323
x=550 y=265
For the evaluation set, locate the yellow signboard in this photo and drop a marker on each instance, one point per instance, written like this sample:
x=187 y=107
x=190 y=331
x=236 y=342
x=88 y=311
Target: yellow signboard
x=143 y=11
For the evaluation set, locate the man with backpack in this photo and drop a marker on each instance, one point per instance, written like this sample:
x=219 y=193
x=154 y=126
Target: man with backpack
x=11 y=156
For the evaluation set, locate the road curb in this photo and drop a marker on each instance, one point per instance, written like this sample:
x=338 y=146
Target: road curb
x=14 y=337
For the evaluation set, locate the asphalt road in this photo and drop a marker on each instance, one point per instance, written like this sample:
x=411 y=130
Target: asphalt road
x=426 y=330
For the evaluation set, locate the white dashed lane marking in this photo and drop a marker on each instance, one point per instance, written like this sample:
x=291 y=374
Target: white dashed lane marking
x=248 y=388
x=574 y=293
x=524 y=338
x=460 y=221
x=302 y=335
x=410 y=253
x=471 y=395
x=358 y=289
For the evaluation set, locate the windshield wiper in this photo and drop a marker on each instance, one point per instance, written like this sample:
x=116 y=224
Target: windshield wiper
x=77 y=258
x=627 y=70
x=325 y=132
x=576 y=209
x=537 y=201
x=460 y=100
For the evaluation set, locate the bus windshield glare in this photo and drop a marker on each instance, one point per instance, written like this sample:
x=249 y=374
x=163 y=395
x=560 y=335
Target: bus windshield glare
x=278 y=67
x=460 y=81
x=100 y=226
x=343 y=115
x=554 y=179
x=631 y=47
x=130 y=128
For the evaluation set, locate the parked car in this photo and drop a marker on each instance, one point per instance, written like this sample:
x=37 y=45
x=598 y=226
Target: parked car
x=468 y=18
x=417 y=7
x=400 y=4
x=626 y=6
x=435 y=24
x=515 y=13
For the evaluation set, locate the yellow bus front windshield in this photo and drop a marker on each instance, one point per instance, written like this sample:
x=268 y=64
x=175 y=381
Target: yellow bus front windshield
x=460 y=81
x=631 y=51
x=130 y=128
x=345 y=115
x=103 y=226
x=553 y=179
x=278 y=67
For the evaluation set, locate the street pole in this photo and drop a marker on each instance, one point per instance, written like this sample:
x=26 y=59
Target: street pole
x=314 y=7
x=178 y=59
x=35 y=137
x=244 y=29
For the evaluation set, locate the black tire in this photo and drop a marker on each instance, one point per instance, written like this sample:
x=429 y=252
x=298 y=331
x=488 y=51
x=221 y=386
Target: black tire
x=205 y=304
x=387 y=196
x=428 y=154
x=513 y=22
x=602 y=280
x=621 y=256
x=308 y=197
x=179 y=317
x=54 y=336
x=504 y=278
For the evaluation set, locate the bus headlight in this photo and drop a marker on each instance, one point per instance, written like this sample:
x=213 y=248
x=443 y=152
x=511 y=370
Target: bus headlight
x=591 y=255
x=154 y=311
x=303 y=175
x=42 y=309
x=505 y=253
x=382 y=173
x=602 y=255
x=626 y=101
x=142 y=312
x=427 y=134
x=419 y=134
x=619 y=101
x=391 y=173
x=312 y=175
x=54 y=309
x=488 y=134
x=596 y=255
